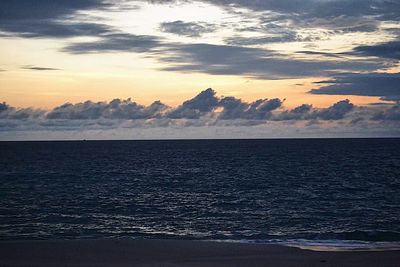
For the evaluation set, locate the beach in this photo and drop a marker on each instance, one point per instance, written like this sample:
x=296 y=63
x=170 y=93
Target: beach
x=125 y=252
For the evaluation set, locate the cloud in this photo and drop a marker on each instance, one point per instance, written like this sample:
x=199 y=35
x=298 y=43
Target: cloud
x=385 y=50
x=234 y=108
x=391 y=114
x=52 y=29
x=41 y=18
x=196 y=107
x=43 y=9
x=285 y=21
x=335 y=112
x=203 y=108
x=11 y=113
x=252 y=62
x=250 y=41
x=385 y=85
x=115 y=109
x=205 y=114
x=301 y=112
x=309 y=9
x=29 y=67
x=191 y=29
x=115 y=42
x=340 y=23
x=306 y=112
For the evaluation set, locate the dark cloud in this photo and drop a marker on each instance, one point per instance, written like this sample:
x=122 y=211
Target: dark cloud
x=116 y=42
x=271 y=33
x=191 y=29
x=252 y=62
x=385 y=85
x=306 y=112
x=29 y=67
x=384 y=50
x=3 y=106
x=391 y=114
x=320 y=53
x=244 y=41
x=8 y=112
x=301 y=112
x=335 y=112
x=204 y=111
x=281 y=38
x=196 y=107
x=52 y=29
x=42 y=18
x=339 y=24
x=203 y=108
x=305 y=9
x=234 y=108
x=44 y=9
x=220 y=59
x=60 y=19
x=115 y=109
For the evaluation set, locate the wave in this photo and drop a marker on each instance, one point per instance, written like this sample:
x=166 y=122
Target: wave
x=325 y=245
x=334 y=241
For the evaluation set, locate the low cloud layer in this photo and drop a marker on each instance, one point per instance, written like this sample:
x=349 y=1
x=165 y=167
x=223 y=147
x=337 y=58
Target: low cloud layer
x=204 y=110
x=204 y=116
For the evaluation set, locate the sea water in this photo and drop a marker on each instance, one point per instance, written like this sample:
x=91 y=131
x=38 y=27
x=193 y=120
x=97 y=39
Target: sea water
x=340 y=193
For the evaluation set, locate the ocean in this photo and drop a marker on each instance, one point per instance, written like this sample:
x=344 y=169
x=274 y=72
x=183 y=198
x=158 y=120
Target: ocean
x=335 y=192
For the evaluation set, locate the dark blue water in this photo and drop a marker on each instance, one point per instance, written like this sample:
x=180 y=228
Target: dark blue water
x=317 y=189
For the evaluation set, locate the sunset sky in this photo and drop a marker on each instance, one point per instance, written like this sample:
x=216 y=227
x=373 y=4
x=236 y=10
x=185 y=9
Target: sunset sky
x=318 y=68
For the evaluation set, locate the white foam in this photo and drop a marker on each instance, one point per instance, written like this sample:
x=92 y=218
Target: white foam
x=326 y=245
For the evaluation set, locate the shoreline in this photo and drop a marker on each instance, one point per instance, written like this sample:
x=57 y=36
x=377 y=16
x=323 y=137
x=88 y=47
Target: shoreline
x=325 y=245
x=151 y=252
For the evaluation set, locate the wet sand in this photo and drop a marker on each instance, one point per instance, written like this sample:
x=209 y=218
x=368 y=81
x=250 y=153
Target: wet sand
x=123 y=253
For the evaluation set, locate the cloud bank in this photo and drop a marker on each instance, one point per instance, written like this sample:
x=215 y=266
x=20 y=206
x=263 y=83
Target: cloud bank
x=204 y=111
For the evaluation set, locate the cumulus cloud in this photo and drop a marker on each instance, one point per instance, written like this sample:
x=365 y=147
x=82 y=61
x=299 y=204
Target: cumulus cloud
x=8 y=112
x=301 y=112
x=261 y=109
x=191 y=29
x=196 y=107
x=306 y=112
x=335 y=112
x=205 y=106
x=205 y=113
x=391 y=114
x=115 y=109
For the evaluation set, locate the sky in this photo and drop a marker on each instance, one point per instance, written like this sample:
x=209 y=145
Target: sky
x=136 y=69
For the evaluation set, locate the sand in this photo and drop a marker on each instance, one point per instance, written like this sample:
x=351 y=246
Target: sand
x=179 y=253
